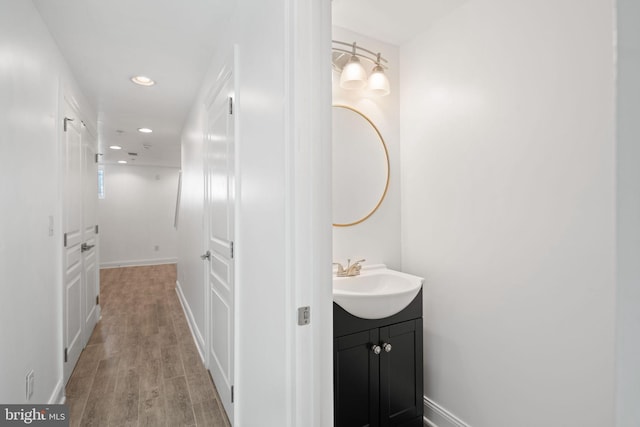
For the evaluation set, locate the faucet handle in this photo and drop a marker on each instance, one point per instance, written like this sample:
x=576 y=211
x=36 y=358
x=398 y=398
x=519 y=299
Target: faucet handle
x=341 y=270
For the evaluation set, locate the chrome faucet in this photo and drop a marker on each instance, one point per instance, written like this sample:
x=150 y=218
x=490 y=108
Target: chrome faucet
x=351 y=270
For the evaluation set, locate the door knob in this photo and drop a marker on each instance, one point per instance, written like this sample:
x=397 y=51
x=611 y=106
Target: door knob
x=206 y=256
x=84 y=247
x=387 y=347
x=376 y=349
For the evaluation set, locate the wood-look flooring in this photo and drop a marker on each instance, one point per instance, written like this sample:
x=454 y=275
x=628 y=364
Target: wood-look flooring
x=141 y=366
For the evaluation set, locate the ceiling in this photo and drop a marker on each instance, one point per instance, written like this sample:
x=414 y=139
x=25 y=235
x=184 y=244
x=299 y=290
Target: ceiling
x=107 y=42
x=394 y=22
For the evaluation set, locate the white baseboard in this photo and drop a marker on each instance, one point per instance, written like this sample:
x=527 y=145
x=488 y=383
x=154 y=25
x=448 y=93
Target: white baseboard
x=437 y=416
x=191 y=321
x=138 y=262
x=57 y=397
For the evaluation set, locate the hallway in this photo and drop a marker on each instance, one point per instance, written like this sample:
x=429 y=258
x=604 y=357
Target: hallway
x=141 y=366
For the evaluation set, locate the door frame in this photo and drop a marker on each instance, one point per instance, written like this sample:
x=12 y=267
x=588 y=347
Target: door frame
x=308 y=99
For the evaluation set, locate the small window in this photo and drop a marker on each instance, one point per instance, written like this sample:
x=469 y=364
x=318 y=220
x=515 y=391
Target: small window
x=100 y=183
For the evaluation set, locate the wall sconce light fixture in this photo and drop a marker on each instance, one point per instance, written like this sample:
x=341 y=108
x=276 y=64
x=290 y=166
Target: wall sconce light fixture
x=352 y=73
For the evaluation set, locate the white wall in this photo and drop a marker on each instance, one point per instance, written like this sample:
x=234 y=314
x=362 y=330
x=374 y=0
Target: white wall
x=137 y=215
x=32 y=75
x=190 y=221
x=628 y=219
x=508 y=209
x=378 y=238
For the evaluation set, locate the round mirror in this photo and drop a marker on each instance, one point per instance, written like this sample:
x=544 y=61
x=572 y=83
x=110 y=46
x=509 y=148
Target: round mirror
x=360 y=167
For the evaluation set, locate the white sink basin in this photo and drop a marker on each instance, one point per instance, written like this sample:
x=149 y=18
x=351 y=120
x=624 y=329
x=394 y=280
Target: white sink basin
x=376 y=293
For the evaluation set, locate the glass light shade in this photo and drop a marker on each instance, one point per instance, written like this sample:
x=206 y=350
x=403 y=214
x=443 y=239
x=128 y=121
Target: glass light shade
x=378 y=81
x=353 y=75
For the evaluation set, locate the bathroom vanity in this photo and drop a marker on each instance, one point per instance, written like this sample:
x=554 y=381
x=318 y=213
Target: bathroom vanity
x=378 y=368
x=377 y=311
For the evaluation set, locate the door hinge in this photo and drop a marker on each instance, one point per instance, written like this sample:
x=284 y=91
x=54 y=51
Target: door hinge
x=231 y=250
x=232 y=394
x=65 y=240
x=96 y=229
x=97 y=157
x=97 y=299
x=230 y=105
x=66 y=355
x=66 y=119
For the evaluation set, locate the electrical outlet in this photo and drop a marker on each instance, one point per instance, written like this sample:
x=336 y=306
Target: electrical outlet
x=30 y=382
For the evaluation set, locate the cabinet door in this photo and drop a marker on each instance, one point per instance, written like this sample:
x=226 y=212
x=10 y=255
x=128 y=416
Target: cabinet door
x=401 y=374
x=356 y=380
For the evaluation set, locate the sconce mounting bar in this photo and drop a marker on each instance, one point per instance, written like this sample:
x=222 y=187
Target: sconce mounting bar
x=376 y=57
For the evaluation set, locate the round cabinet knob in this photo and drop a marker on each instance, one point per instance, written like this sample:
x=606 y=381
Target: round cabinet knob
x=376 y=349
x=387 y=347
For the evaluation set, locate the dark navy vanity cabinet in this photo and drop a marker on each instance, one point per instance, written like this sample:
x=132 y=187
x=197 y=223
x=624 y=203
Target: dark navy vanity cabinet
x=377 y=367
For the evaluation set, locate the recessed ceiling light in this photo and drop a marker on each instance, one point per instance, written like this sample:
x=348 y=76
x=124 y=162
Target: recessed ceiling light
x=144 y=130
x=122 y=162
x=115 y=147
x=143 y=80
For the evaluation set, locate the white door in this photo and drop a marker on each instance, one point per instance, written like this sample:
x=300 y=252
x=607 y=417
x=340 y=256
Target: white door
x=89 y=247
x=219 y=217
x=72 y=240
x=80 y=260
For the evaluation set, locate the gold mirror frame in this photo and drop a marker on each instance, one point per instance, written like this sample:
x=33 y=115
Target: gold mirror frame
x=386 y=155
